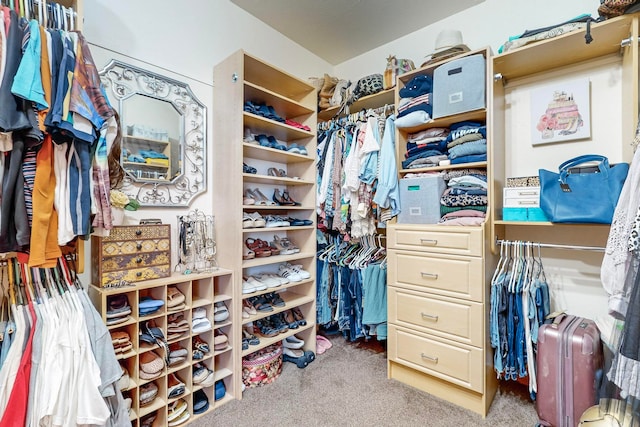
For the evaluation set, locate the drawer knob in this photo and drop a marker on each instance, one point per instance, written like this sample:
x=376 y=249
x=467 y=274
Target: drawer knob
x=139 y=273
x=429 y=242
x=429 y=317
x=429 y=275
x=138 y=260
x=139 y=246
x=429 y=358
x=138 y=232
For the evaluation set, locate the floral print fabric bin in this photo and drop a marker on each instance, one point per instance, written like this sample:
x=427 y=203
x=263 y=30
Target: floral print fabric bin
x=263 y=366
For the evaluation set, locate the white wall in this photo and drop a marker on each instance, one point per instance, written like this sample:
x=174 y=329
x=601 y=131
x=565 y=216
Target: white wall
x=184 y=40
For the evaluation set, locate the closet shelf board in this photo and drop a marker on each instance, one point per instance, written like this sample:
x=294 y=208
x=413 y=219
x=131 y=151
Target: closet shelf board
x=255 y=151
x=219 y=352
x=279 y=130
x=221 y=297
x=284 y=107
x=218 y=325
x=274 y=229
x=268 y=179
x=146 y=166
x=448 y=167
x=290 y=299
x=547 y=223
x=154 y=283
x=273 y=78
x=157 y=403
x=563 y=50
x=443 y=122
x=277 y=208
x=380 y=99
x=146 y=141
x=274 y=259
x=281 y=287
x=177 y=368
x=222 y=373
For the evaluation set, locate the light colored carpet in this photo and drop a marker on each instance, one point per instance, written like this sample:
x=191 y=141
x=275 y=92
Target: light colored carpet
x=348 y=386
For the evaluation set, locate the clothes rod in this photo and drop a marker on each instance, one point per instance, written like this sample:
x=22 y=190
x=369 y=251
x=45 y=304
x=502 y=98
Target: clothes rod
x=556 y=246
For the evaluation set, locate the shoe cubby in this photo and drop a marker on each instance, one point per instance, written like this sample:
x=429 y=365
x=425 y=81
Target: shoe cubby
x=201 y=291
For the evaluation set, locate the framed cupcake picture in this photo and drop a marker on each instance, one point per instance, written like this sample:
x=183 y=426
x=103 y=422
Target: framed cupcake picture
x=561 y=112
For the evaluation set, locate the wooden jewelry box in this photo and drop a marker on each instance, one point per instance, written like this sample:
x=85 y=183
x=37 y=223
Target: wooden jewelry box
x=131 y=253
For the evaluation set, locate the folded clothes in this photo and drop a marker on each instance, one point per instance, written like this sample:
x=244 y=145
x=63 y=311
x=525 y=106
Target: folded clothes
x=417 y=86
x=465 y=138
x=447 y=199
x=135 y=159
x=159 y=162
x=426 y=162
x=446 y=209
x=421 y=155
x=456 y=191
x=463 y=128
x=472 y=158
x=415 y=118
x=428 y=133
x=468 y=181
x=418 y=107
x=455 y=173
x=413 y=149
x=151 y=154
x=468 y=149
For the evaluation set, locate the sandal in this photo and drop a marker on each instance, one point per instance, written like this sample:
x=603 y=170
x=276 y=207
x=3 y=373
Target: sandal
x=261 y=304
x=247 y=253
x=247 y=221
x=249 y=198
x=283 y=245
x=265 y=329
x=290 y=319
x=261 y=199
x=280 y=200
x=248 y=169
x=200 y=344
x=288 y=199
x=274 y=299
x=251 y=338
x=249 y=308
x=297 y=314
x=273 y=172
x=255 y=246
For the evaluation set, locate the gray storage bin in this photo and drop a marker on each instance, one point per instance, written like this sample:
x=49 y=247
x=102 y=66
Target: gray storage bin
x=420 y=199
x=459 y=86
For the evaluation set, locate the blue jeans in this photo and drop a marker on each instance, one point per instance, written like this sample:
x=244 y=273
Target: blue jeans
x=323 y=308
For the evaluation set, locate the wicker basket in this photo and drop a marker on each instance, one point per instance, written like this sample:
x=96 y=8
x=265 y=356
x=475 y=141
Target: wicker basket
x=263 y=366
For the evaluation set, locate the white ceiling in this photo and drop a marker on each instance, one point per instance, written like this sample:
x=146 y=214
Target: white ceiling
x=338 y=30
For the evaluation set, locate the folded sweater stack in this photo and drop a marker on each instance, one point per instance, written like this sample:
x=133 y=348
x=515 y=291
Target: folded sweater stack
x=464 y=202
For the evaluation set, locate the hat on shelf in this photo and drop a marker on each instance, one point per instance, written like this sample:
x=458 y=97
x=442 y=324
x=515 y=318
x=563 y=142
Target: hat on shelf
x=448 y=44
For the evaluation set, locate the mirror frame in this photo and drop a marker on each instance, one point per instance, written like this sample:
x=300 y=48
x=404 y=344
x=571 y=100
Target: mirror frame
x=122 y=81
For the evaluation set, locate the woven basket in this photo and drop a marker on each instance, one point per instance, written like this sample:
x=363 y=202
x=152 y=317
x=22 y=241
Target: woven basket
x=263 y=366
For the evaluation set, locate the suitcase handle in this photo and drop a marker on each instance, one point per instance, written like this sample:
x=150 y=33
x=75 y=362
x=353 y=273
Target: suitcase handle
x=557 y=318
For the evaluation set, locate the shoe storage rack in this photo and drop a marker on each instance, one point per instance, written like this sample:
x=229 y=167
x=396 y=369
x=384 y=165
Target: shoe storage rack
x=202 y=292
x=261 y=115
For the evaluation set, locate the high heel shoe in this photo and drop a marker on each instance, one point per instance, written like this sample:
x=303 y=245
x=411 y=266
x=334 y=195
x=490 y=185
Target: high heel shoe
x=249 y=198
x=279 y=199
x=289 y=200
x=261 y=199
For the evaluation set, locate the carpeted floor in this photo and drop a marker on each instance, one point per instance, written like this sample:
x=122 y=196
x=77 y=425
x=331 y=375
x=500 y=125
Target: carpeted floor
x=348 y=386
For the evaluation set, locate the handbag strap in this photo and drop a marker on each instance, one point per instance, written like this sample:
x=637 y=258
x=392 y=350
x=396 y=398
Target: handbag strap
x=584 y=159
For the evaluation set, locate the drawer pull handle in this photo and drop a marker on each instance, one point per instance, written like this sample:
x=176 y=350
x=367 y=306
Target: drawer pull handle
x=138 y=232
x=527 y=202
x=527 y=193
x=139 y=246
x=430 y=242
x=429 y=358
x=429 y=316
x=138 y=260
x=429 y=275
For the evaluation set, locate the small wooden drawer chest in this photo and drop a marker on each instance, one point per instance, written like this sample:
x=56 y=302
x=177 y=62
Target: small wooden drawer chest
x=131 y=253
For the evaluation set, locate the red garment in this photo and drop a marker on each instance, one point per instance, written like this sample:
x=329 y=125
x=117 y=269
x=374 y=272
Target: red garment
x=16 y=413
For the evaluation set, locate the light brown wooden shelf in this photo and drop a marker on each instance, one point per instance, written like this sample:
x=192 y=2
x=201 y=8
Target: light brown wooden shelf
x=380 y=99
x=268 y=179
x=481 y=165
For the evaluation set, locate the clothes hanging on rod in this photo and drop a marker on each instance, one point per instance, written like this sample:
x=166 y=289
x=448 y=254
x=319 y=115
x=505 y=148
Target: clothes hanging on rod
x=57 y=363
x=519 y=305
x=357 y=179
x=55 y=124
x=351 y=287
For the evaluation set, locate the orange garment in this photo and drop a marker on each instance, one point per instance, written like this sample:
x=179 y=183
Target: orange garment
x=44 y=251
x=45 y=73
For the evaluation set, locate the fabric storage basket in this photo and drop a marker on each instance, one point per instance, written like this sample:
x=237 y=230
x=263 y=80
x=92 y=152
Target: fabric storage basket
x=459 y=86
x=263 y=366
x=420 y=199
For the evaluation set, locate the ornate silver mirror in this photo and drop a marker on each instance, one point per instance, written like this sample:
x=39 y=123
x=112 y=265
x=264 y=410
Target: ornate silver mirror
x=163 y=135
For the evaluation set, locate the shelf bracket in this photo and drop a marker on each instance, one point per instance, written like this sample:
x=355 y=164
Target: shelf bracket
x=499 y=77
x=626 y=42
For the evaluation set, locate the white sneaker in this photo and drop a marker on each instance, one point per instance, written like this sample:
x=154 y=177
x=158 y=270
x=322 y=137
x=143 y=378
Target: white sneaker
x=280 y=279
x=298 y=269
x=270 y=282
x=288 y=273
x=247 y=287
x=257 y=284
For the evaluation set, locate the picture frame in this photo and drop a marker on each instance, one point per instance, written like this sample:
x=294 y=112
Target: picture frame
x=561 y=112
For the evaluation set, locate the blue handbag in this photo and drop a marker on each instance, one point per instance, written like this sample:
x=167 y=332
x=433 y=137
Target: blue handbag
x=582 y=194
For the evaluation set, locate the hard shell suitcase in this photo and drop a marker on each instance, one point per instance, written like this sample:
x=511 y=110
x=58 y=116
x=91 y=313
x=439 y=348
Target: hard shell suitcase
x=569 y=364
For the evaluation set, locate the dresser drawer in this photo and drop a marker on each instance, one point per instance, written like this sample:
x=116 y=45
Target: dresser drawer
x=449 y=275
x=130 y=247
x=135 y=274
x=440 y=239
x=137 y=232
x=455 y=319
x=457 y=363
x=122 y=262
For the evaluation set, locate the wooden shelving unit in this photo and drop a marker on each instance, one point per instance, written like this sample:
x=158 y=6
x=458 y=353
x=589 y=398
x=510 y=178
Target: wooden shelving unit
x=238 y=79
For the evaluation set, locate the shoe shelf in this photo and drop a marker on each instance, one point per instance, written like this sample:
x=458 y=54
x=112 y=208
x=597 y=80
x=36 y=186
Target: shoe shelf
x=265 y=179
x=255 y=151
x=287 y=107
x=199 y=290
x=276 y=229
x=290 y=301
x=275 y=208
x=281 y=131
x=275 y=259
x=277 y=288
x=267 y=341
